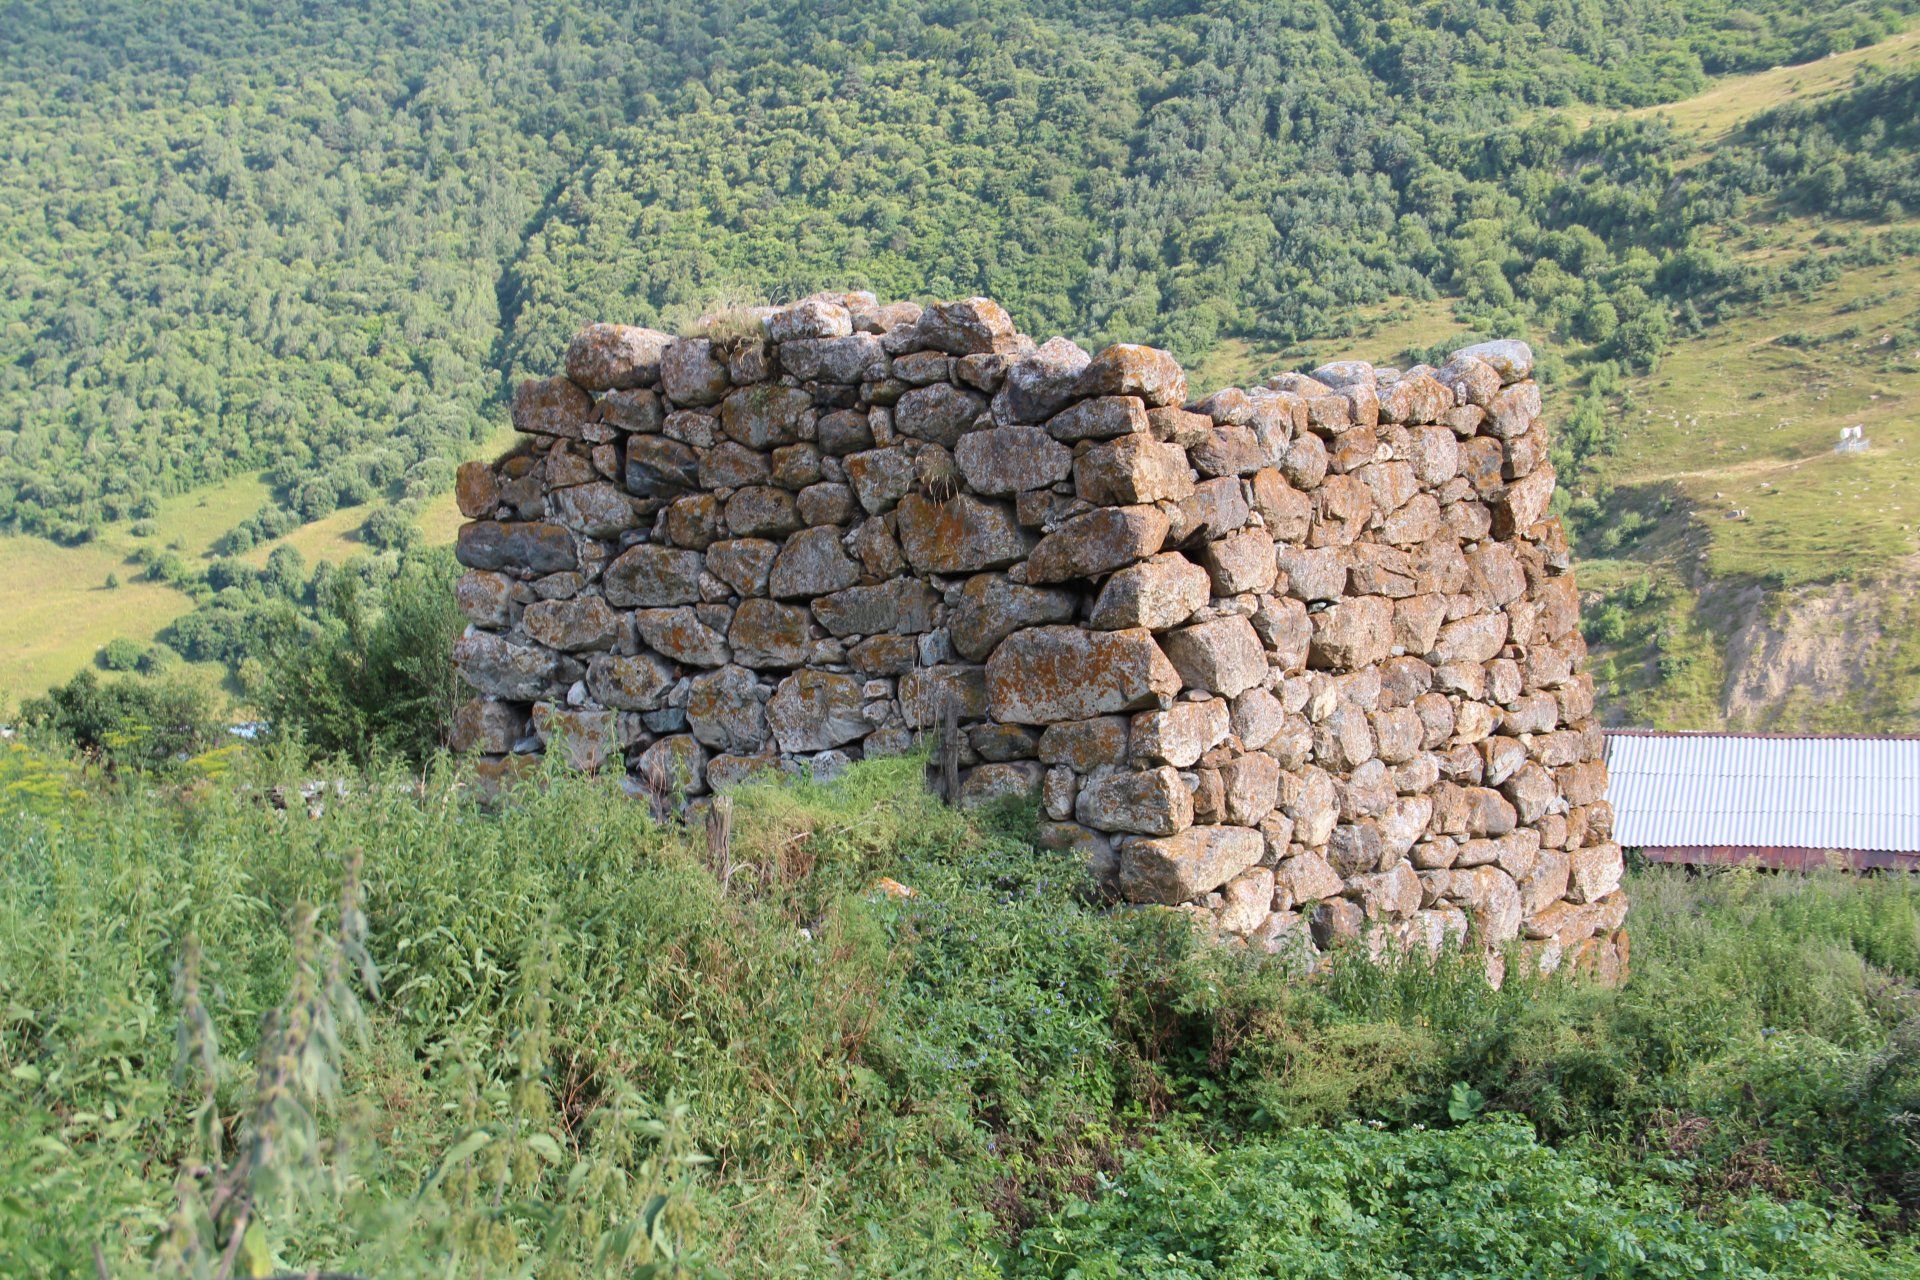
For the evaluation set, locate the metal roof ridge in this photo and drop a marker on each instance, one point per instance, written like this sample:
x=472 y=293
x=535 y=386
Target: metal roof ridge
x=1776 y=737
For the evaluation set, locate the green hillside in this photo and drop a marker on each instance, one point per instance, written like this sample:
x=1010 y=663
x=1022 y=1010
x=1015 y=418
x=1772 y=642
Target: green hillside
x=299 y=255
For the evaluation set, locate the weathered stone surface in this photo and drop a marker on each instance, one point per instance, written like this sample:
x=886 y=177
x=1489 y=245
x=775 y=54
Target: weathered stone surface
x=809 y=318
x=1240 y=562
x=681 y=635
x=726 y=710
x=1098 y=542
x=1160 y=592
x=1510 y=358
x=647 y=577
x=761 y=511
x=605 y=357
x=532 y=546
x=965 y=327
x=814 y=710
x=902 y=605
x=476 y=491
x=486 y=599
x=1085 y=745
x=1228 y=451
x=1099 y=419
x=743 y=563
x=1131 y=469
x=1357 y=632
x=679 y=761
x=551 y=407
x=1180 y=734
x=767 y=634
x=597 y=510
x=488 y=725
x=1173 y=869
x=880 y=477
x=926 y=692
x=1000 y=783
x=991 y=608
x=637 y=682
x=1214 y=509
x=1005 y=460
x=845 y=360
x=1245 y=901
x=1151 y=802
x=1128 y=369
x=571 y=625
x=812 y=563
x=1222 y=656
x=1594 y=872
x=1308 y=877
x=1252 y=783
x=1041 y=382
x=661 y=468
x=940 y=413
x=1046 y=674
x=961 y=535
x=765 y=415
x=691 y=373
x=499 y=668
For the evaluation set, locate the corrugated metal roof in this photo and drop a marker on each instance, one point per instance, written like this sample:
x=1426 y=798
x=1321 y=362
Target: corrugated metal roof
x=1692 y=789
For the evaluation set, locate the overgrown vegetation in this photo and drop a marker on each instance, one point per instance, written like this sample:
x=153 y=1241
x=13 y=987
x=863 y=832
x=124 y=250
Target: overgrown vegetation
x=590 y=1051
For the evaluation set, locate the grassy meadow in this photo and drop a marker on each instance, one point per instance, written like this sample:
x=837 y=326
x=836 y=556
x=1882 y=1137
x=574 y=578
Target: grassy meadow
x=398 y=1034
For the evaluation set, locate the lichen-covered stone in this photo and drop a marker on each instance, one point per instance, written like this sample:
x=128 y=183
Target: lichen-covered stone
x=629 y=682
x=691 y=373
x=1223 y=656
x=815 y=710
x=532 y=546
x=812 y=563
x=902 y=605
x=1152 y=802
x=607 y=357
x=499 y=668
x=1005 y=460
x=961 y=535
x=1128 y=369
x=726 y=710
x=551 y=407
x=766 y=634
x=1173 y=869
x=1098 y=542
x=991 y=608
x=1046 y=674
x=1132 y=469
x=1161 y=591
x=571 y=625
x=648 y=577
x=939 y=414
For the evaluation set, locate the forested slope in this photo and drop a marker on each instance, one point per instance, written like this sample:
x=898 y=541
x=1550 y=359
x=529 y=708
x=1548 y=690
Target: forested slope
x=315 y=243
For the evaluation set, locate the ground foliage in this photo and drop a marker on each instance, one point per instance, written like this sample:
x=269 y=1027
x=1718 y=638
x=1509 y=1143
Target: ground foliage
x=560 y=1039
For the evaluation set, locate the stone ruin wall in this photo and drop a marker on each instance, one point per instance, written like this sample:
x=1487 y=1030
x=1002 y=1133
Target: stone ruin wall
x=1300 y=660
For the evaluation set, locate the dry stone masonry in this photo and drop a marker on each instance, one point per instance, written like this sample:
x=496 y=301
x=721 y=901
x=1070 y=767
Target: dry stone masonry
x=1300 y=660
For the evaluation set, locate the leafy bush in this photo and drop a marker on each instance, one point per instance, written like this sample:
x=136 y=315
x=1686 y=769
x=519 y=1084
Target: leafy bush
x=1483 y=1200
x=136 y=723
x=374 y=675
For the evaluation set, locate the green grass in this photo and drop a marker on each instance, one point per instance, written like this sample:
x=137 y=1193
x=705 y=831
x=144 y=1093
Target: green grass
x=56 y=611
x=983 y=1079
